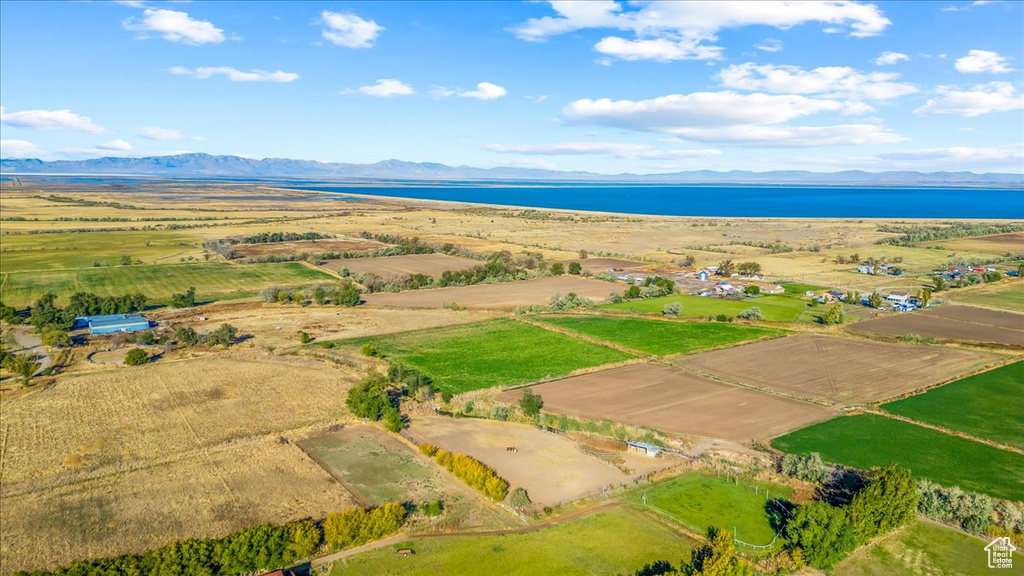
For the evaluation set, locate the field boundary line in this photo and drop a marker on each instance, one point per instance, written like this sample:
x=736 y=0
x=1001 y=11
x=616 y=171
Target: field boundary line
x=731 y=382
x=584 y=337
x=335 y=476
x=944 y=430
x=998 y=363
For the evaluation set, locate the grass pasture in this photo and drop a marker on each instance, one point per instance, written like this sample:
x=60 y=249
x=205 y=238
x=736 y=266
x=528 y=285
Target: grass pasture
x=1006 y=296
x=488 y=354
x=774 y=308
x=985 y=405
x=698 y=501
x=60 y=251
x=211 y=279
x=867 y=440
x=660 y=337
x=921 y=548
x=614 y=541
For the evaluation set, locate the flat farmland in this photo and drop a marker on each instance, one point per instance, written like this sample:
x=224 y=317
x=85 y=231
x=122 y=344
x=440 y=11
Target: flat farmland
x=487 y=354
x=390 y=266
x=868 y=440
x=339 y=245
x=774 y=308
x=923 y=547
x=599 y=265
x=995 y=244
x=660 y=337
x=841 y=370
x=986 y=405
x=669 y=399
x=964 y=323
x=617 y=540
x=1006 y=296
x=552 y=469
x=159 y=283
x=60 y=251
x=502 y=295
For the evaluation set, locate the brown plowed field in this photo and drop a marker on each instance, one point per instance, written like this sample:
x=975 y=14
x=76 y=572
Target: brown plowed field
x=389 y=266
x=842 y=370
x=310 y=246
x=965 y=323
x=669 y=399
x=503 y=295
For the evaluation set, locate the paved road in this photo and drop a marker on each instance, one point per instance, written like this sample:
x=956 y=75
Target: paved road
x=28 y=341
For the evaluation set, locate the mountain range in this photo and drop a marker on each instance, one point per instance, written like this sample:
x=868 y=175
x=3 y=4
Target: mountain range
x=206 y=166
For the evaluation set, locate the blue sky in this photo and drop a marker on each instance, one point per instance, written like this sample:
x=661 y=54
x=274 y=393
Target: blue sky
x=601 y=86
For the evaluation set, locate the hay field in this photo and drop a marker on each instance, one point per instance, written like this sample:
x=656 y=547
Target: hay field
x=159 y=283
x=959 y=323
x=194 y=441
x=1004 y=295
x=502 y=295
x=839 y=370
x=669 y=399
x=389 y=266
x=307 y=246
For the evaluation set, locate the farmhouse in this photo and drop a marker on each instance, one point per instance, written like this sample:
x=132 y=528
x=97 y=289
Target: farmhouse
x=833 y=295
x=111 y=323
x=898 y=297
x=723 y=288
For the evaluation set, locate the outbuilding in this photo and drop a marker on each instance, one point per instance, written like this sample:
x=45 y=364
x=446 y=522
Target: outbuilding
x=642 y=448
x=110 y=323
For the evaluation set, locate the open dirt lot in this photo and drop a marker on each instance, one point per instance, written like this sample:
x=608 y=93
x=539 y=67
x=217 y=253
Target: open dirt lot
x=193 y=442
x=551 y=468
x=307 y=246
x=965 y=323
x=503 y=295
x=277 y=325
x=669 y=399
x=390 y=266
x=841 y=370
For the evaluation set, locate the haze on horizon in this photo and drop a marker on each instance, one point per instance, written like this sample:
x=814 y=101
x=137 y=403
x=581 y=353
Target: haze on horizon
x=607 y=87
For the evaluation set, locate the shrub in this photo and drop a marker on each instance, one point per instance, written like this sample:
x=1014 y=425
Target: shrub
x=723 y=318
x=370 y=398
x=474 y=473
x=808 y=468
x=355 y=527
x=500 y=413
x=519 y=499
x=393 y=420
x=428 y=449
x=673 y=309
x=432 y=508
x=530 y=403
x=575 y=268
x=752 y=313
x=136 y=357
x=304 y=337
x=753 y=289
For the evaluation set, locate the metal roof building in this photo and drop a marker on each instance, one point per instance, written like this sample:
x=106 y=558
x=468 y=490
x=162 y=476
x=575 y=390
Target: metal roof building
x=110 y=323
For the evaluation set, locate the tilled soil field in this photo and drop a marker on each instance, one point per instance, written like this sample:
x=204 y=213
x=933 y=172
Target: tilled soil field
x=841 y=370
x=964 y=323
x=672 y=400
x=503 y=295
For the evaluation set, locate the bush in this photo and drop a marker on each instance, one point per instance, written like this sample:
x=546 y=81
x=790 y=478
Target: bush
x=428 y=449
x=474 y=473
x=808 y=468
x=305 y=337
x=673 y=309
x=723 y=318
x=370 y=398
x=530 y=403
x=354 y=527
x=432 y=508
x=136 y=357
x=500 y=413
x=752 y=313
x=575 y=268
x=186 y=336
x=393 y=420
x=519 y=499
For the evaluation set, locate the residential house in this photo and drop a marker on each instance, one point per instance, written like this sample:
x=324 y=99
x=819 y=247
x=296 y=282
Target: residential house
x=865 y=269
x=898 y=297
x=723 y=289
x=833 y=296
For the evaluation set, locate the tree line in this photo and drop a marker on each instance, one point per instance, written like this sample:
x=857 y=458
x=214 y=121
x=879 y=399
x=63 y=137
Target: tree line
x=470 y=470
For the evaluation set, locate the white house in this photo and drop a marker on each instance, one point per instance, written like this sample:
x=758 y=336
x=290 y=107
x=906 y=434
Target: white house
x=865 y=269
x=898 y=297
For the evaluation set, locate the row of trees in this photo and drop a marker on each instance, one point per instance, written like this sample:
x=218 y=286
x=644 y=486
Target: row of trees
x=470 y=470
x=225 y=335
x=271 y=237
x=45 y=311
x=252 y=550
x=651 y=287
x=911 y=235
x=347 y=294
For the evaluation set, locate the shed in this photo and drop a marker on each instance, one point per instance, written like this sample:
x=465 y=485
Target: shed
x=111 y=323
x=703 y=275
x=642 y=448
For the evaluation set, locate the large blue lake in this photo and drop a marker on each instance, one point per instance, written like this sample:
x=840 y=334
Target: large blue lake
x=726 y=200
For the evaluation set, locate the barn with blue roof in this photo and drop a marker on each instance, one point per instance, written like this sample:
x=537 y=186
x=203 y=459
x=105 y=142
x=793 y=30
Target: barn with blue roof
x=110 y=323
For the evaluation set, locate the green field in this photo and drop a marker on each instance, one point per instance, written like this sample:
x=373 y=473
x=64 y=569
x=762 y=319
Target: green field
x=487 y=354
x=616 y=541
x=660 y=337
x=797 y=289
x=698 y=501
x=211 y=280
x=80 y=250
x=921 y=548
x=868 y=440
x=775 y=308
x=1007 y=297
x=987 y=405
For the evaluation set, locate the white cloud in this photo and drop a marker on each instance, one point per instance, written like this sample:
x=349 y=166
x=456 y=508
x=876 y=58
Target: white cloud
x=349 y=30
x=484 y=91
x=119 y=145
x=890 y=58
x=49 y=120
x=983 y=61
x=792 y=136
x=770 y=45
x=841 y=81
x=175 y=26
x=18 y=149
x=676 y=112
x=157 y=133
x=387 y=87
x=235 y=75
x=618 y=150
x=537 y=99
x=956 y=8
x=97 y=152
x=667 y=31
x=961 y=155
x=975 y=101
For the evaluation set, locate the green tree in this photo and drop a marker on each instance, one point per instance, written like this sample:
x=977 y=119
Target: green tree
x=320 y=296
x=753 y=290
x=875 y=300
x=834 y=314
x=808 y=468
x=557 y=269
x=925 y=296
x=186 y=336
x=225 y=335
x=717 y=557
x=186 y=300
x=726 y=268
x=530 y=403
x=519 y=498
x=752 y=313
x=852 y=297
x=393 y=419
x=672 y=309
x=887 y=502
x=748 y=268
x=23 y=365
x=348 y=295
x=575 y=268
x=688 y=262
x=55 y=337
x=370 y=398
x=822 y=532
x=136 y=357
x=939 y=283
